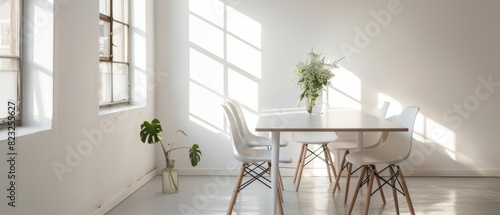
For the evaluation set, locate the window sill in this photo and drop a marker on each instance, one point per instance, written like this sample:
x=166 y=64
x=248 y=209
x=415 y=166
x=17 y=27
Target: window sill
x=23 y=131
x=118 y=109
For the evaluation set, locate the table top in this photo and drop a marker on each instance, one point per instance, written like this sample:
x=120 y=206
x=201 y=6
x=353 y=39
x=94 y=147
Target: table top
x=338 y=120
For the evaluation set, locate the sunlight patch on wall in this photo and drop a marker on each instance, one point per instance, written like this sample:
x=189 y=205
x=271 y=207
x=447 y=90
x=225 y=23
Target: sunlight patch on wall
x=139 y=80
x=43 y=109
x=244 y=27
x=244 y=56
x=395 y=106
x=426 y=130
x=243 y=89
x=443 y=136
x=345 y=90
x=38 y=75
x=203 y=103
x=224 y=62
x=206 y=35
x=41 y=36
x=206 y=71
x=210 y=10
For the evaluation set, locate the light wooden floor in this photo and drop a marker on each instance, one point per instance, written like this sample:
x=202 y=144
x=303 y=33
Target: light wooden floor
x=211 y=194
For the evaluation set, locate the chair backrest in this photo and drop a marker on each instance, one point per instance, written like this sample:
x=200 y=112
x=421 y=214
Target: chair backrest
x=370 y=139
x=385 y=134
x=240 y=151
x=240 y=118
x=400 y=143
x=380 y=110
x=373 y=139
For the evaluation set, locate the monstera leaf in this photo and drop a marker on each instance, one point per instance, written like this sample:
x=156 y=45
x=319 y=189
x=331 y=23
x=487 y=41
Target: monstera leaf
x=151 y=132
x=195 y=154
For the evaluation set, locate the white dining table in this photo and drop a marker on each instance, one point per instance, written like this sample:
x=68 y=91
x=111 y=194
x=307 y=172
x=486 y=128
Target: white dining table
x=330 y=120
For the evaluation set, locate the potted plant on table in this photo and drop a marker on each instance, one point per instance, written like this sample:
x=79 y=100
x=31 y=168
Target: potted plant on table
x=312 y=76
x=151 y=132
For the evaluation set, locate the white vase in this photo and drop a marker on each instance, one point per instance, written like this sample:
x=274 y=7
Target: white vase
x=317 y=105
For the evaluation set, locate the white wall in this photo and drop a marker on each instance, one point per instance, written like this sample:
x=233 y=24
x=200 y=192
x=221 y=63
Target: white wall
x=86 y=160
x=436 y=55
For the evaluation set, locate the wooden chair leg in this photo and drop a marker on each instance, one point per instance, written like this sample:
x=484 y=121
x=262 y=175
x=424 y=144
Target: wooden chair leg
x=330 y=159
x=327 y=161
x=379 y=184
x=280 y=181
x=280 y=192
x=394 y=194
x=348 y=182
x=405 y=189
x=369 y=191
x=341 y=169
x=301 y=168
x=280 y=203
x=299 y=161
x=360 y=181
x=235 y=190
x=280 y=188
x=334 y=170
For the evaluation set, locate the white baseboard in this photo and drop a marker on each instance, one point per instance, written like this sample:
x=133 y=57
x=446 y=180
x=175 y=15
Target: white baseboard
x=286 y=171
x=322 y=172
x=119 y=197
x=454 y=173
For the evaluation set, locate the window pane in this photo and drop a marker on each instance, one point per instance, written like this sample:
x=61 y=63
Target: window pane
x=105 y=83
x=104 y=7
x=120 y=10
x=9 y=27
x=104 y=39
x=120 y=82
x=120 y=42
x=9 y=70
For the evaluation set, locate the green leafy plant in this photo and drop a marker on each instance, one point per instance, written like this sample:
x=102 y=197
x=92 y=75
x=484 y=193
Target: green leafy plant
x=313 y=75
x=151 y=133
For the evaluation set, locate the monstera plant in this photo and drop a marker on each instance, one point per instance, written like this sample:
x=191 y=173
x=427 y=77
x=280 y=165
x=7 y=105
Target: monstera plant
x=151 y=133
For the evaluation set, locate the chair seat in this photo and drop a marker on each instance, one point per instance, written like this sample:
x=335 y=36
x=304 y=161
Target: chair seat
x=380 y=155
x=348 y=144
x=351 y=144
x=260 y=141
x=255 y=156
x=393 y=151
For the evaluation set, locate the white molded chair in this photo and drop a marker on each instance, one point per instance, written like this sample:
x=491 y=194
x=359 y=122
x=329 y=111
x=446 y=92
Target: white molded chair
x=370 y=140
x=251 y=163
x=250 y=139
x=320 y=139
x=394 y=150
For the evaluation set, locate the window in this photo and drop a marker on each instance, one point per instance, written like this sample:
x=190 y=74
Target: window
x=10 y=57
x=114 y=52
